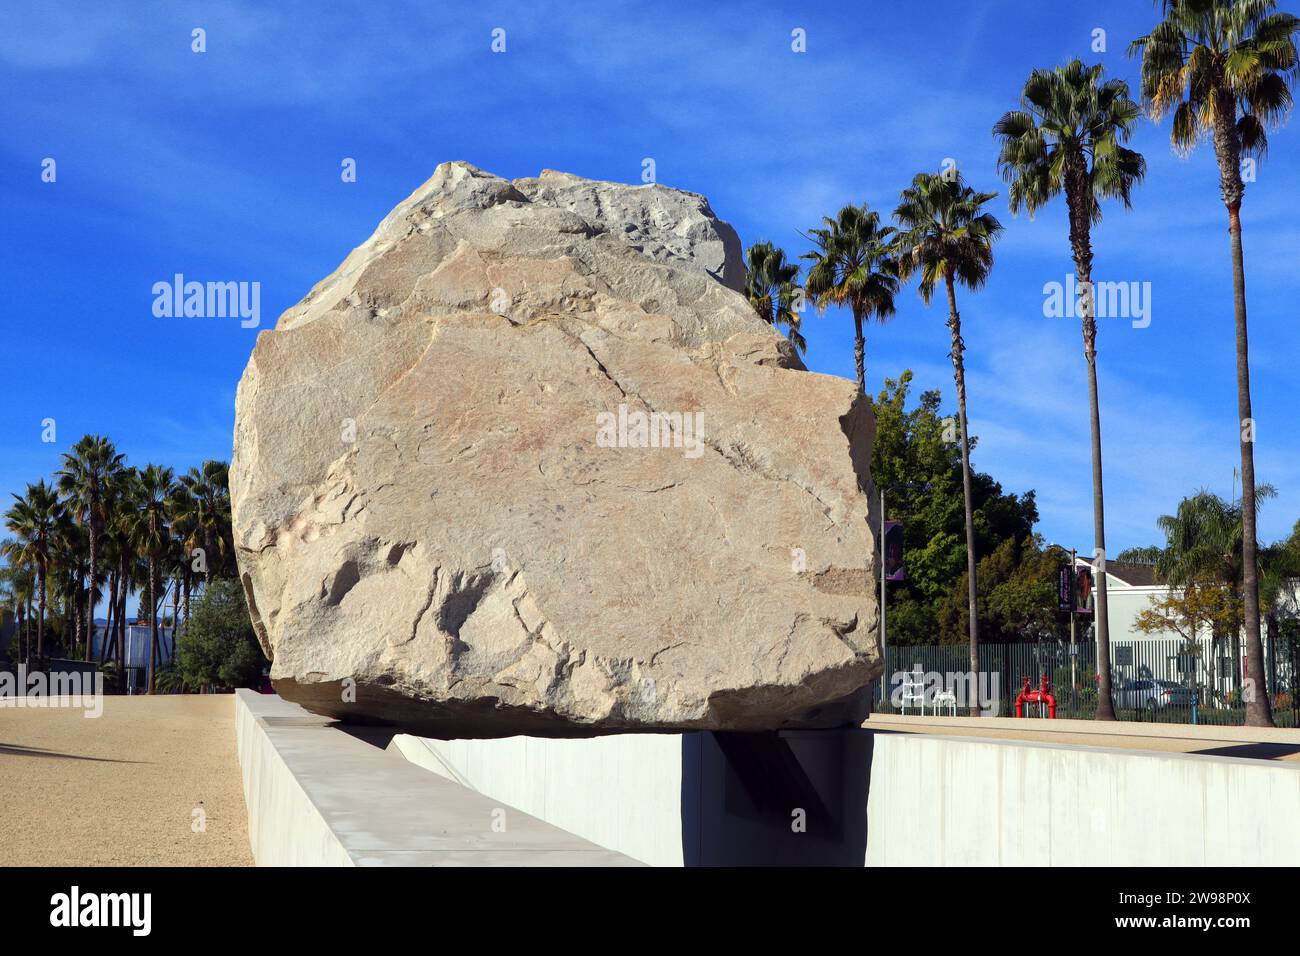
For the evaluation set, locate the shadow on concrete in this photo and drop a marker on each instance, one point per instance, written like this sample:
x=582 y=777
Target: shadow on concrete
x=1252 y=751
x=378 y=735
x=17 y=750
x=781 y=798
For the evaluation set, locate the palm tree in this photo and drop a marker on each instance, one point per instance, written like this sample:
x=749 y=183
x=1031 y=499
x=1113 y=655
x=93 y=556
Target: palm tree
x=185 y=511
x=853 y=265
x=1204 y=546
x=19 y=578
x=84 y=481
x=946 y=236
x=772 y=287
x=1067 y=137
x=34 y=518
x=151 y=537
x=68 y=558
x=121 y=529
x=206 y=504
x=1221 y=66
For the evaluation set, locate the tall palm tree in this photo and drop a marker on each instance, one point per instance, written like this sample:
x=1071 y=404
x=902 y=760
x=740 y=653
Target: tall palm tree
x=184 y=509
x=68 y=558
x=206 y=504
x=772 y=287
x=84 y=481
x=34 y=518
x=1222 y=67
x=151 y=537
x=130 y=569
x=1067 y=137
x=852 y=265
x=946 y=236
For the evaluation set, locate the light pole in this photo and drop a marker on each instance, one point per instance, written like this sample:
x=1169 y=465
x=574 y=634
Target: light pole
x=884 y=674
x=1074 y=647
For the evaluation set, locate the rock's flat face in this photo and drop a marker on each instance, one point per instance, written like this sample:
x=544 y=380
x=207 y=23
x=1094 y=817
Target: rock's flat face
x=527 y=462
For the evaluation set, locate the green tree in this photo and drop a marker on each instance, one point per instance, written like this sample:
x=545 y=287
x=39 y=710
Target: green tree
x=218 y=647
x=1222 y=67
x=772 y=288
x=947 y=237
x=84 y=481
x=853 y=265
x=1067 y=138
x=151 y=536
x=33 y=518
x=922 y=471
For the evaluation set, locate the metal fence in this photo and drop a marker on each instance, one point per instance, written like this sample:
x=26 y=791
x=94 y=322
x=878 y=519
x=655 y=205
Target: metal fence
x=1167 y=681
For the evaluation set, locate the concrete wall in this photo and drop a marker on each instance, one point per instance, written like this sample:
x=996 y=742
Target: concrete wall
x=318 y=796
x=622 y=791
x=890 y=799
x=952 y=801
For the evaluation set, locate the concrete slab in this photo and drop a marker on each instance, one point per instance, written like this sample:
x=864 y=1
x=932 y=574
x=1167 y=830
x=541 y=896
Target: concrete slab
x=319 y=796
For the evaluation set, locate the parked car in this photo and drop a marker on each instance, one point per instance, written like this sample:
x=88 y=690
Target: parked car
x=1149 y=694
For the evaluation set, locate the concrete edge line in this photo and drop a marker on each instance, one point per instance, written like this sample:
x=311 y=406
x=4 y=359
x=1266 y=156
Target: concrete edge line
x=1290 y=766
x=319 y=796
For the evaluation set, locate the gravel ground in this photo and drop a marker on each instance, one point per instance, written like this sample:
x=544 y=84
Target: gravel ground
x=122 y=789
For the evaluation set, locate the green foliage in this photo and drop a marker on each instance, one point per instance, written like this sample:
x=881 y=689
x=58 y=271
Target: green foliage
x=772 y=288
x=1015 y=596
x=218 y=647
x=919 y=467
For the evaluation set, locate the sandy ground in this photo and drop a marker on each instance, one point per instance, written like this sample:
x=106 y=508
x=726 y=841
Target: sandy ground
x=122 y=789
x=1250 y=743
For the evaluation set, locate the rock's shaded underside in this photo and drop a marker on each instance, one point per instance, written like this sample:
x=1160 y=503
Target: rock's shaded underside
x=432 y=532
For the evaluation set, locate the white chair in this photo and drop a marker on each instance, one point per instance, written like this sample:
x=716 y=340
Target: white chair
x=945 y=698
x=913 y=691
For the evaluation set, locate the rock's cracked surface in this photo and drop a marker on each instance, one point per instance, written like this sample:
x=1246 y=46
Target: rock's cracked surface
x=446 y=513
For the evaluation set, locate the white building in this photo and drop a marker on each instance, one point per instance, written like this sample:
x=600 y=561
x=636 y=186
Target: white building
x=1220 y=662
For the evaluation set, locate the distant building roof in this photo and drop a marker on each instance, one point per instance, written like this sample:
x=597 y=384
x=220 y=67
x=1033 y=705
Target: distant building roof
x=1134 y=575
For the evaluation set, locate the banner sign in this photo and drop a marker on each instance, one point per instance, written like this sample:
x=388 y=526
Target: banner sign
x=1074 y=589
x=894 y=551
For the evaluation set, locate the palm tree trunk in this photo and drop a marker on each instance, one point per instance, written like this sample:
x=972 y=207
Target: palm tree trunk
x=75 y=600
x=40 y=620
x=106 y=641
x=153 y=626
x=859 y=354
x=209 y=546
x=90 y=592
x=959 y=375
x=1101 y=617
x=1078 y=197
x=1259 y=711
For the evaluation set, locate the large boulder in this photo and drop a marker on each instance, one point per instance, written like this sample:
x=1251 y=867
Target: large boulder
x=527 y=462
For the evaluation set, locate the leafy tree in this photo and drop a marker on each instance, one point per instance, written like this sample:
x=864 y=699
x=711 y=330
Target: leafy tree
x=217 y=647
x=914 y=459
x=1067 y=137
x=1017 y=594
x=1222 y=67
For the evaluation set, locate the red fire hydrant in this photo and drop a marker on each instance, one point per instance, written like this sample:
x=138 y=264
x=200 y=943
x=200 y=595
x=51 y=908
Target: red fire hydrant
x=1040 y=696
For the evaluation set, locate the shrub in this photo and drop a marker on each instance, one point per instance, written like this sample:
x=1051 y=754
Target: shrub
x=217 y=647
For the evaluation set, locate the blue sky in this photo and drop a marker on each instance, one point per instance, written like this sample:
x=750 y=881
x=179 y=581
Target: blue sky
x=225 y=166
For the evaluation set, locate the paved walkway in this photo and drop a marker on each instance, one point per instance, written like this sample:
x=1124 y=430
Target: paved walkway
x=121 y=789
x=1248 y=742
